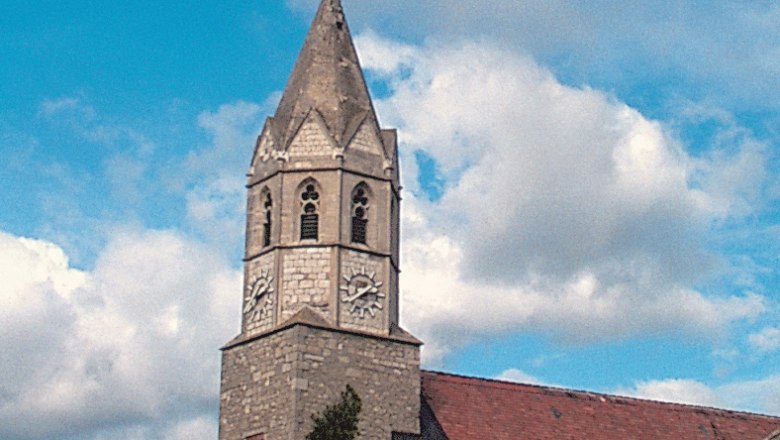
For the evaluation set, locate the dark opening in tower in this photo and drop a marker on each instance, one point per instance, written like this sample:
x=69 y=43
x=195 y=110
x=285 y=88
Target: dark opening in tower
x=267 y=207
x=310 y=219
x=359 y=214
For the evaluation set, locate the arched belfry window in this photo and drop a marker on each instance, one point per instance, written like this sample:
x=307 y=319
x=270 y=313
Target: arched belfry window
x=310 y=219
x=268 y=205
x=360 y=214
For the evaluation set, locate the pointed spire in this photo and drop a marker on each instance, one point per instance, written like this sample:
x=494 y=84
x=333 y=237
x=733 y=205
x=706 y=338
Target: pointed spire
x=327 y=77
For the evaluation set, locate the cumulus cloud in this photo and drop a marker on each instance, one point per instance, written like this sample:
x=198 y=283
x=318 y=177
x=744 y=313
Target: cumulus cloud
x=564 y=210
x=760 y=395
x=129 y=347
x=675 y=390
x=623 y=46
x=132 y=343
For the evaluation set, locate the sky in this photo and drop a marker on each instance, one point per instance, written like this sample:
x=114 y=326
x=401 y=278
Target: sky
x=591 y=197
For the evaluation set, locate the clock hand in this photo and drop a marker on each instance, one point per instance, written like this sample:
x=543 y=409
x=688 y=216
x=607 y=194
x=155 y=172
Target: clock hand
x=357 y=295
x=360 y=293
x=250 y=304
x=257 y=292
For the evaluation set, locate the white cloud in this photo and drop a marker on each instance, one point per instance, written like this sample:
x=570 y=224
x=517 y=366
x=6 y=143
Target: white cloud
x=125 y=174
x=675 y=390
x=35 y=316
x=767 y=340
x=50 y=107
x=132 y=343
x=201 y=428
x=761 y=395
x=217 y=208
x=518 y=376
x=233 y=129
x=564 y=210
x=625 y=46
x=84 y=121
x=734 y=171
x=215 y=195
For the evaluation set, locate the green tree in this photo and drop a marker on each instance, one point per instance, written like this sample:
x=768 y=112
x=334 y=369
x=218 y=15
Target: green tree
x=339 y=421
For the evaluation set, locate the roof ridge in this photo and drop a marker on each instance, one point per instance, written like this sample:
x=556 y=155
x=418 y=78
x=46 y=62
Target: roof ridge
x=505 y=384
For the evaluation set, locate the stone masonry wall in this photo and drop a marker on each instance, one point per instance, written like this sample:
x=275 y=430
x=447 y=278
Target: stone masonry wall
x=306 y=278
x=366 y=140
x=257 y=394
x=312 y=140
x=274 y=384
x=385 y=374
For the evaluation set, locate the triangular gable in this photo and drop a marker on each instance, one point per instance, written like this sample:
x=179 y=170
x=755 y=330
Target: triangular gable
x=263 y=147
x=367 y=139
x=312 y=138
x=352 y=127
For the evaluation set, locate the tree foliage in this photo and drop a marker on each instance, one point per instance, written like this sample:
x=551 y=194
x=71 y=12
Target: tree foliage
x=339 y=421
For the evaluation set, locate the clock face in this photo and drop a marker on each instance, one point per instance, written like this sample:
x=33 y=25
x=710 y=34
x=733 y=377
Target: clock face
x=361 y=291
x=258 y=296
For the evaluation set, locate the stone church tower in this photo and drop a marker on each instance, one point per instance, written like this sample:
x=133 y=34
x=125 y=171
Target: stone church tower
x=320 y=301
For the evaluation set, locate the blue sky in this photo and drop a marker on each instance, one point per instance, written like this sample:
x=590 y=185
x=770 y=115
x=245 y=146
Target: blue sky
x=591 y=197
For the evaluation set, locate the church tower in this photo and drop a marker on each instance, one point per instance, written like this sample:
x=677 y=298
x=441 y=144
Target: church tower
x=320 y=300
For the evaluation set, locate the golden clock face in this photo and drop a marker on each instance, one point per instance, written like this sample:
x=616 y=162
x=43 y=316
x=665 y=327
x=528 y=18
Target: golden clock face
x=361 y=292
x=259 y=296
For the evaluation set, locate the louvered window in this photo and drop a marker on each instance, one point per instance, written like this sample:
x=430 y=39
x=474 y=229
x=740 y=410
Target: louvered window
x=310 y=219
x=359 y=215
x=267 y=220
x=310 y=226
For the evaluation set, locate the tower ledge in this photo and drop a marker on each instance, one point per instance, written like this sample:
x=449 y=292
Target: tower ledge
x=309 y=318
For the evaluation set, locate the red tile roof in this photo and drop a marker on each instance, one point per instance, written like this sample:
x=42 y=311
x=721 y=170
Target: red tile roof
x=477 y=409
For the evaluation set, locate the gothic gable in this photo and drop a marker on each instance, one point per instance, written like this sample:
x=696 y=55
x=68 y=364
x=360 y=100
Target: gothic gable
x=264 y=153
x=367 y=140
x=312 y=139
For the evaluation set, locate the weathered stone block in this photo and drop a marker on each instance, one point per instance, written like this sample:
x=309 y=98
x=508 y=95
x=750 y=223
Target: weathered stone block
x=280 y=404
